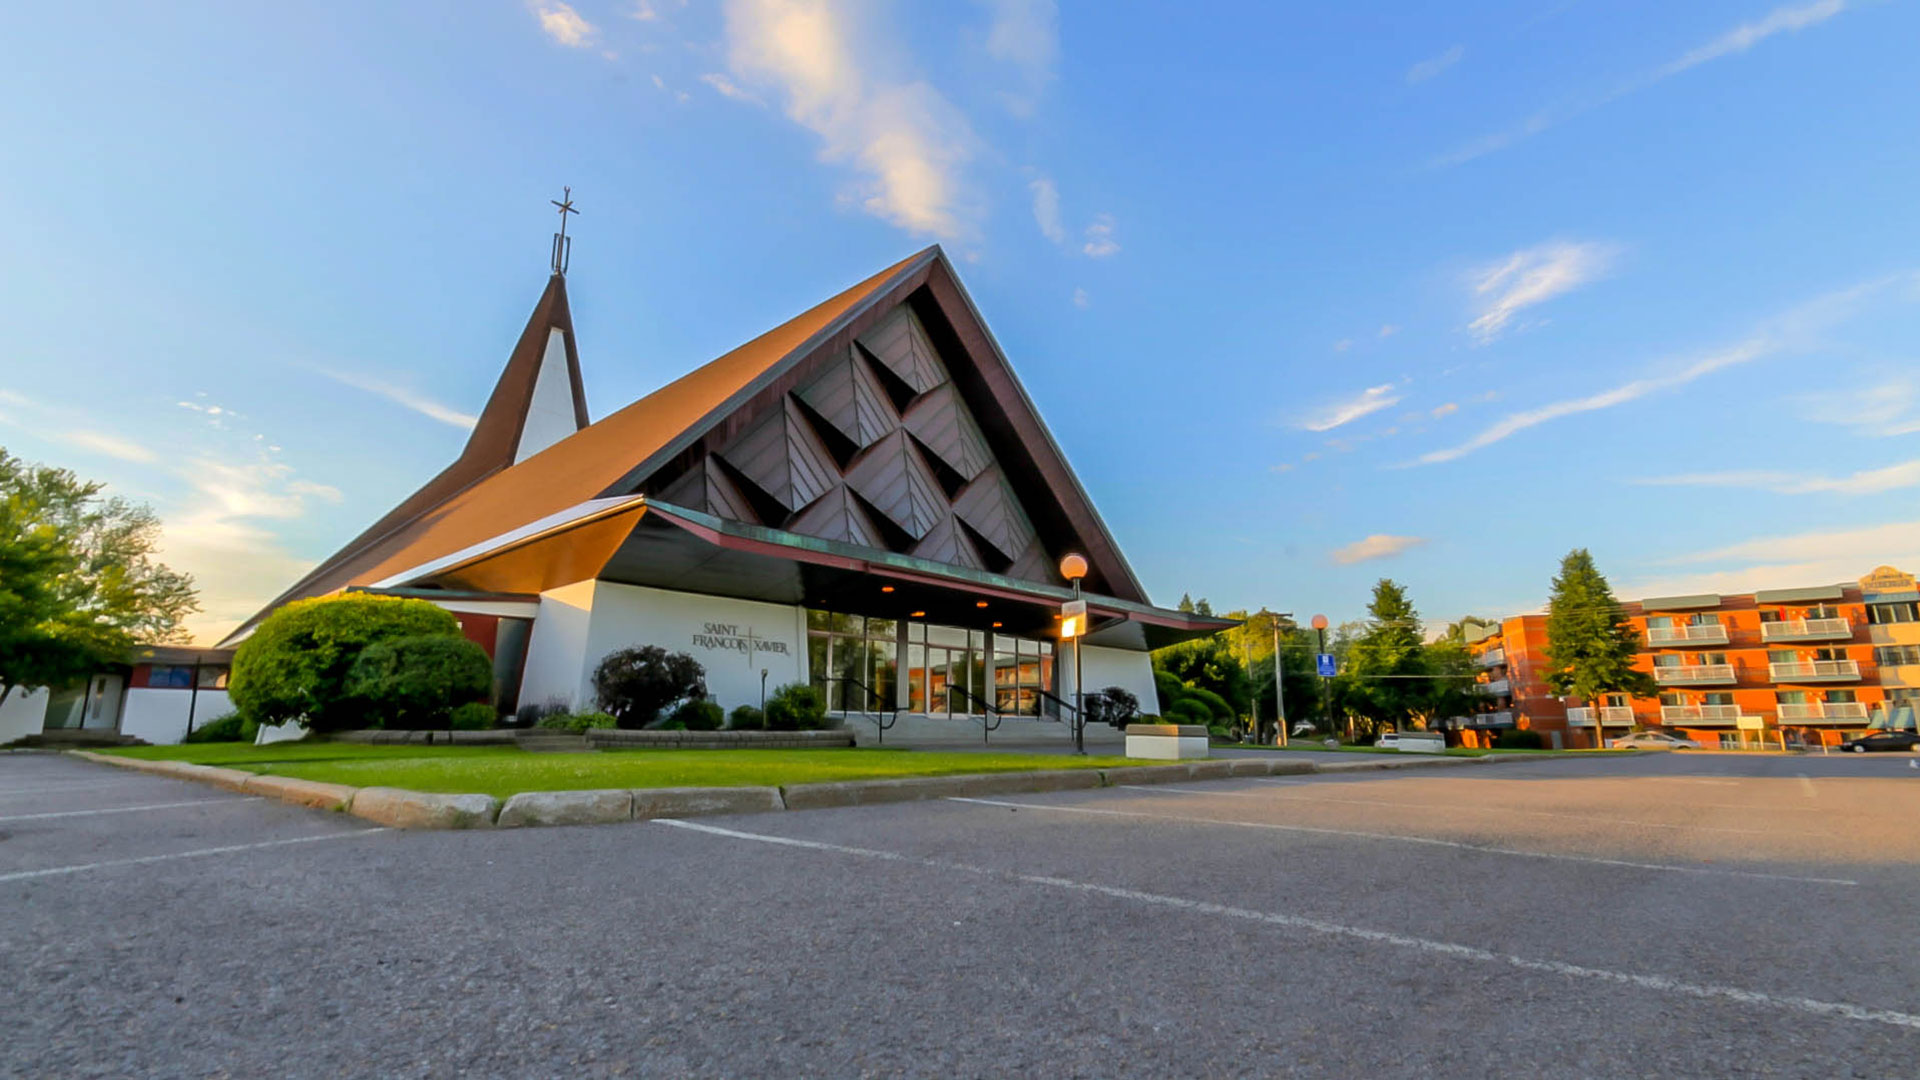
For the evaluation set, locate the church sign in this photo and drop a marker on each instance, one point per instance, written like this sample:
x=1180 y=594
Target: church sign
x=732 y=637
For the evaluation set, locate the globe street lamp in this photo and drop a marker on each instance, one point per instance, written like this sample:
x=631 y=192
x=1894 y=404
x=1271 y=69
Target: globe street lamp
x=1074 y=567
x=1326 y=696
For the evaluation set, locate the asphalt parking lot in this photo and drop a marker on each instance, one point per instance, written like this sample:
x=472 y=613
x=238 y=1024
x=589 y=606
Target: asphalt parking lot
x=1704 y=915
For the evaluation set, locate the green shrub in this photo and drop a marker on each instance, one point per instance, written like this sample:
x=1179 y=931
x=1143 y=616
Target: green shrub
x=474 y=716
x=1167 y=688
x=554 y=720
x=577 y=723
x=637 y=685
x=796 y=707
x=296 y=665
x=699 y=714
x=747 y=718
x=1519 y=740
x=229 y=728
x=1188 y=711
x=1213 y=702
x=414 y=683
x=1220 y=731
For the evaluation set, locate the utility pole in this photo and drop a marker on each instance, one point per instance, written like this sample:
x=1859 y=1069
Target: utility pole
x=1279 y=686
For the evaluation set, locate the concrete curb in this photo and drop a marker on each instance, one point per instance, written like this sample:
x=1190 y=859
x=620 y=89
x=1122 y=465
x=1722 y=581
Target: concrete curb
x=402 y=809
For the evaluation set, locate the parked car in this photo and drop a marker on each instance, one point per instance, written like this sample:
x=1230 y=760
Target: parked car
x=1389 y=741
x=1883 y=740
x=1653 y=740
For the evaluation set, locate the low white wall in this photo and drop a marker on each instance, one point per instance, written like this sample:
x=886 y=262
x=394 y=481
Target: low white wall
x=732 y=639
x=1130 y=671
x=160 y=715
x=23 y=713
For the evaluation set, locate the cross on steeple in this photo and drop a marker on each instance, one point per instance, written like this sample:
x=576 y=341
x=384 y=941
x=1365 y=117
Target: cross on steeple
x=562 y=247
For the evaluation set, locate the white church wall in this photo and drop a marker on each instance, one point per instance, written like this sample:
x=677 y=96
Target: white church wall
x=732 y=639
x=557 y=650
x=159 y=715
x=1129 y=670
x=23 y=713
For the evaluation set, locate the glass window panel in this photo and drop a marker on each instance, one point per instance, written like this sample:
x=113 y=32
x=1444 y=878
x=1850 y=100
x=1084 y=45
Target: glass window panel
x=886 y=670
x=1790 y=697
x=917 y=678
x=817 y=668
x=1716 y=698
x=1782 y=656
x=1839 y=697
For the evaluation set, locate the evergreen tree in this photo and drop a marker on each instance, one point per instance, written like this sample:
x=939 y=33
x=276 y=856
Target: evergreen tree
x=1387 y=666
x=1186 y=603
x=1590 y=644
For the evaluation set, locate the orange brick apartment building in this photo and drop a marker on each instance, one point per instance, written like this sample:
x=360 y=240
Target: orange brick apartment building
x=1805 y=665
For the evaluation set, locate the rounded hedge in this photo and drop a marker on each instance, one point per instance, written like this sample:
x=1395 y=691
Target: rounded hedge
x=413 y=683
x=295 y=666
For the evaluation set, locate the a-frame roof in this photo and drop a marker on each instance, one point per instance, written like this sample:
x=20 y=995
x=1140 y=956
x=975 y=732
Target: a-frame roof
x=484 y=495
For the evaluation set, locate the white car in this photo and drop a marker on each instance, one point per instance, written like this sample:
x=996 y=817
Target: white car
x=1652 y=740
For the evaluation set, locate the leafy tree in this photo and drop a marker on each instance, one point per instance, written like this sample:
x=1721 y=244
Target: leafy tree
x=1386 y=667
x=1590 y=644
x=79 y=583
x=1450 y=683
x=296 y=664
x=414 y=683
x=1208 y=664
x=636 y=685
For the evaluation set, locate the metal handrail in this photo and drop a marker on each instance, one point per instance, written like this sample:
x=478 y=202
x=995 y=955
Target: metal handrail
x=893 y=714
x=991 y=710
x=1048 y=695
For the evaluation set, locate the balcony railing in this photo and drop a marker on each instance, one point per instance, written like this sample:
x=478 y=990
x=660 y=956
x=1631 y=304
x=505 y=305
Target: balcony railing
x=1693 y=674
x=1703 y=634
x=1610 y=715
x=1503 y=718
x=1807 y=630
x=1492 y=658
x=1497 y=687
x=1700 y=714
x=1831 y=712
x=1815 y=671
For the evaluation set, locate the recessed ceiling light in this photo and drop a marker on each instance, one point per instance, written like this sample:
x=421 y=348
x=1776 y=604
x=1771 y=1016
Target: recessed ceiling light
x=919 y=615
x=979 y=603
x=886 y=588
x=996 y=626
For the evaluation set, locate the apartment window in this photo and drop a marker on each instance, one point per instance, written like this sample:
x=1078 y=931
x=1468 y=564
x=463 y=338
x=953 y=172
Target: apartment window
x=1896 y=655
x=1840 y=697
x=1617 y=701
x=1903 y=695
x=1667 y=660
x=1823 y=611
x=1829 y=654
x=1783 y=656
x=1770 y=616
x=1713 y=658
x=1790 y=697
x=1673 y=699
x=1659 y=621
x=1704 y=619
x=1716 y=698
x=1893 y=613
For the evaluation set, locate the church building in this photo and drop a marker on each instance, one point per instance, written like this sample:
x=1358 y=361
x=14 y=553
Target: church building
x=863 y=498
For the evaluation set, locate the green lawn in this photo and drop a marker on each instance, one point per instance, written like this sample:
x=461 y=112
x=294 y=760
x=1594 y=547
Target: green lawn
x=505 y=770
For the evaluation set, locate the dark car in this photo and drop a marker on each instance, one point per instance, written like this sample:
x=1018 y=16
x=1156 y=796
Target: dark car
x=1883 y=740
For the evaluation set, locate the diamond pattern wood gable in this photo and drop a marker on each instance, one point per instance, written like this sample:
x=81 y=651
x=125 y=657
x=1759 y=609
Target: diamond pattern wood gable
x=873 y=446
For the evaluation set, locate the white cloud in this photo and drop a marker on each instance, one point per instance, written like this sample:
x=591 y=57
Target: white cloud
x=1747 y=35
x=1887 y=408
x=907 y=141
x=1100 y=241
x=1865 y=482
x=1343 y=345
x=1377 y=546
x=1081 y=299
x=1445 y=410
x=1789 y=330
x=1046 y=209
x=1370 y=400
x=562 y=23
x=1389 y=330
x=111 y=445
x=1026 y=35
x=68 y=426
x=1427 y=69
x=1798 y=560
x=400 y=395
x=1533 y=276
x=727 y=88
x=1734 y=41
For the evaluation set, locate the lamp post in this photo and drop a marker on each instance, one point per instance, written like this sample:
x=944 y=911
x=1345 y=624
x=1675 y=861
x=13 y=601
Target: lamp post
x=1326 y=696
x=1073 y=568
x=1279 y=687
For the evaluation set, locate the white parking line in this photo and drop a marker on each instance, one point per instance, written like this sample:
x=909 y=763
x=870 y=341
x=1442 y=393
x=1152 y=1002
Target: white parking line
x=1451 y=807
x=56 y=871
x=63 y=788
x=1398 y=838
x=127 y=809
x=1660 y=983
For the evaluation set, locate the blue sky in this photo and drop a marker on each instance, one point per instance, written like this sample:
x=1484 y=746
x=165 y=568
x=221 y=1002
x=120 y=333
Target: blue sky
x=1310 y=293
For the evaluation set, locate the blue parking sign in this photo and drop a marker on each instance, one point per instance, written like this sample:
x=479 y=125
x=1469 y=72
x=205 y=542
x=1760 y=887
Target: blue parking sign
x=1324 y=662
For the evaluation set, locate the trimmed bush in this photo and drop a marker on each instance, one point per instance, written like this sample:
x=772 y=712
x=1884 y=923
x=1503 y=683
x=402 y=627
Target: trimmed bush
x=699 y=714
x=796 y=707
x=1167 y=688
x=414 y=683
x=229 y=728
x=577 y=723
x=296 y=665
x=1519 y=740
x=637 y=685
x=1213 y=702
x=474 y=716
x=1188 y=711
x=1113 y=706
x=747 y=718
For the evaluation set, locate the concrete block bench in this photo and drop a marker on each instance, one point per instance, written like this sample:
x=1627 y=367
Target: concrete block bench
x=1166 y=742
